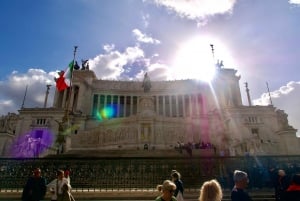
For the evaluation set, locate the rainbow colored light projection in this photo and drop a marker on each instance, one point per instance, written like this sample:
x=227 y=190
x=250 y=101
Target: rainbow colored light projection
x=107 y=113
x=32 y=144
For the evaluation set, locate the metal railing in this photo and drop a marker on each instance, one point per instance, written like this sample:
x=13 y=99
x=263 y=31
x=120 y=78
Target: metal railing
x=143 y=174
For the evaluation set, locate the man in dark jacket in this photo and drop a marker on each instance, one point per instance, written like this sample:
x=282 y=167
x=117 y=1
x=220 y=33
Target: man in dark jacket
x=178 y=193
x=35 y=187
x=282 y=184
x=241 y=181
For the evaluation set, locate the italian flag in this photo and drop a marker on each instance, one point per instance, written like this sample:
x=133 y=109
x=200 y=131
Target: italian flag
x=64 y=79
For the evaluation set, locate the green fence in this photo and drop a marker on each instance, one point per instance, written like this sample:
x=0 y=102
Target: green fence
x=145 y=173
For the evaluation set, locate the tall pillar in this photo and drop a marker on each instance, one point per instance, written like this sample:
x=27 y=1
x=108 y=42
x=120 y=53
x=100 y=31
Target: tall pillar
x=118 y=106
x=131 y=105
x=105 y=101
x=157 y=104
x=177 y=108
x=190 y=105
x=71 y=98
x=197 y=105
x=98 y=103
x=125 y=104
x=138 y=104
x=64 y=98
x=183 y=105
x=170 y=105
x=164 y=106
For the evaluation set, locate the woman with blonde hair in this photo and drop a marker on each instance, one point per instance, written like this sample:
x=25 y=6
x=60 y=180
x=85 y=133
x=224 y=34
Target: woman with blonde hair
x=167 y=189
x=211 y=191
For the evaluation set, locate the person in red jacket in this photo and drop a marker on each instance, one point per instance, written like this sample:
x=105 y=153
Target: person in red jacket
x=293 y=191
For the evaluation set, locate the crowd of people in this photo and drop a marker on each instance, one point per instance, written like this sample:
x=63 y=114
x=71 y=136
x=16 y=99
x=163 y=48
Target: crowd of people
x=59 y=188
x=199 y=145
x=286 y=187
x=190 y=146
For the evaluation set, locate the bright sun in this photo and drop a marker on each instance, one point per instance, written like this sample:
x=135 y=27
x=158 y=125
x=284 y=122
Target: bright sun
x=194 y=59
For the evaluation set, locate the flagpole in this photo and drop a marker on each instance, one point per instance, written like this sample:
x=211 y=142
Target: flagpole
x=24 y=97
x=269 y=93
x=74 y=55
x=70 y=88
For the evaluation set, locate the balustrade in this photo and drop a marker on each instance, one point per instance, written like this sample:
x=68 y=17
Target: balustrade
x=145 y=173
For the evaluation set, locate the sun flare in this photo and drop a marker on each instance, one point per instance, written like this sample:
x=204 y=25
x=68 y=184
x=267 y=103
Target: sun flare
x=195 y=59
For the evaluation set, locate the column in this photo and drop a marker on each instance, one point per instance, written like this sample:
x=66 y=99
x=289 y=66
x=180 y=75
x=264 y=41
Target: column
x=190 y=100
x=131 y=105
x=138 y=104
x=105 y=101
x=170 y=104
x=183 y=105
x=164 y=106
x=64 y=104
x=125 y=104
x=71 y=98
x=157 y=104
x=98 y=103
x=197 y=105
x=118 y=107
x=177 y=109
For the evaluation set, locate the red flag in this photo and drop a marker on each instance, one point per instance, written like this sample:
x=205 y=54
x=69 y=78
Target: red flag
x=64 y=79
x=60 y=81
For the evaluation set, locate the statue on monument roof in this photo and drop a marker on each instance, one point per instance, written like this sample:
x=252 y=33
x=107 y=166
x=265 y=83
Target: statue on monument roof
x=146 y=83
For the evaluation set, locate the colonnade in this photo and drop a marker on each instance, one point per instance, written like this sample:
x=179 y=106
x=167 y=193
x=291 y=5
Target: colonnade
x=165 y=105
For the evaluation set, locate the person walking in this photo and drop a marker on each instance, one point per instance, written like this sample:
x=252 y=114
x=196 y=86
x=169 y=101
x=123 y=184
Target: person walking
x=282 y=183
x=179 y=186
x=211 y=191
x=241 y=181
x=35 y=187
x=66 y=194
x=56 y=186
x=167 y=189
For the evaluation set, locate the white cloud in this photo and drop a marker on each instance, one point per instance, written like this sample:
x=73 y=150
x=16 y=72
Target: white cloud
x=6 y=106
x=158 y=71
x=111 y=65
x=145 y=18
x=108 y=47
x=197 y=9
x=143 y=38
x=13 y=90
x=294 y=1
x=286 y=98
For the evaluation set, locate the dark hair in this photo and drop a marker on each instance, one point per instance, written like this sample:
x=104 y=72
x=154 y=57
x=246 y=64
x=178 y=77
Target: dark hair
x=175 y=175
x=60 y=172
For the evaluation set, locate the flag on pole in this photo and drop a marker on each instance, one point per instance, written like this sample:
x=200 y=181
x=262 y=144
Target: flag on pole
x=64 y=79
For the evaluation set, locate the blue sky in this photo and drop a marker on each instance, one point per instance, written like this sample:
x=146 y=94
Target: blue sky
x=124 y=39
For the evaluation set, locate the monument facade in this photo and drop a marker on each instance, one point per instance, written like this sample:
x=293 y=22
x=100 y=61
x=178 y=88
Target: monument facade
x=100 y=115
